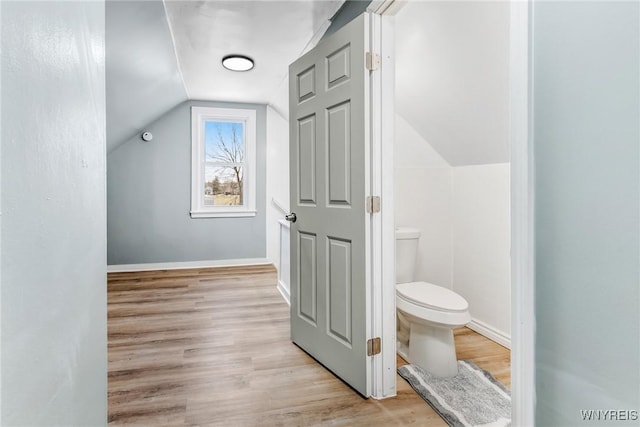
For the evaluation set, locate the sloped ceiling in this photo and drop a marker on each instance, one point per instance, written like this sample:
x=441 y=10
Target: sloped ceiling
x=451 y=64
x=452 y=77
x=142 y=77
x=146 y=77
x=273 y=33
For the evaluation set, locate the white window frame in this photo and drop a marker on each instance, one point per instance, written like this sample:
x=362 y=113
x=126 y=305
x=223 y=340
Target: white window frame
x=199 y=115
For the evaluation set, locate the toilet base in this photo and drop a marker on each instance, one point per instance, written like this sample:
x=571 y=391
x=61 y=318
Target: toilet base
x=433 y=349
x=402 y=350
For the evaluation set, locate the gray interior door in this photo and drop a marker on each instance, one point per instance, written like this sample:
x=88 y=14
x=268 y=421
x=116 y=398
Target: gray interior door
x=328 y=91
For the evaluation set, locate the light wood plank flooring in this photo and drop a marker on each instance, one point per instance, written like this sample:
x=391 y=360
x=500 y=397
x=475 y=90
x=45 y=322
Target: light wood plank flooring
x=210 y=347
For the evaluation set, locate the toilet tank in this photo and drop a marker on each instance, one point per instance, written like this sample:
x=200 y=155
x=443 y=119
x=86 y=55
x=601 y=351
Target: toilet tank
x=406 y=251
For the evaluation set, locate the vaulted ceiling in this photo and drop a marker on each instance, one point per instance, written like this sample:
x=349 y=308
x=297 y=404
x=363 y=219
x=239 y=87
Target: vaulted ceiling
x=451 y=63
x=143 y=78
x=159 y=54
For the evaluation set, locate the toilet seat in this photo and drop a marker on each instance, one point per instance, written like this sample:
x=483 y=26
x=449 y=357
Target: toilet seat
x=422 y=301
x=431 y=296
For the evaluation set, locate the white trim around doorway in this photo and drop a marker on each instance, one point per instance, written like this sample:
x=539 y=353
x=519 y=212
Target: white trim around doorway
x=522 y=220
x=383 y=229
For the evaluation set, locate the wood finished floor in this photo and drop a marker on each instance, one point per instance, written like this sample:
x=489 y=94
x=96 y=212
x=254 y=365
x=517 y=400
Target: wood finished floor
x=210 y=347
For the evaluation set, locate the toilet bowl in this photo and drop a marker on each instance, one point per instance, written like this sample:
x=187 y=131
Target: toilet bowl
x=427 y=313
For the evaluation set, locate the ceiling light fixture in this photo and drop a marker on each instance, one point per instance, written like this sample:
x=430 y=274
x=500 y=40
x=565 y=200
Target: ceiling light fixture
x=237 y=63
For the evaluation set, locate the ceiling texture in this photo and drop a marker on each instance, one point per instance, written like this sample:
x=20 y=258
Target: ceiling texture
x=273 y=33
x=452 y=63
x=161 y=53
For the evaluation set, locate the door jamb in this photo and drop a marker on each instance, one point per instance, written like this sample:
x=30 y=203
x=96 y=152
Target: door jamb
x=383 y=308
x=522 y=208
x=523 y=388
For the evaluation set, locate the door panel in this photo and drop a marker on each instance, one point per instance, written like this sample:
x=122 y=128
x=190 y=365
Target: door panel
x=307 y=159
x=338 y=66
x=329 y=184
x=339 y=144
x=307 y=285
x=339 y=299
x=306 y=84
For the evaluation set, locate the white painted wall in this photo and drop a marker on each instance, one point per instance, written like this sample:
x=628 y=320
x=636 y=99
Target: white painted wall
x=463 y=214
x=481 y=244
x=423 y=200
x=54 y=309
x=452 y=67
x=284 y=266
x=277 y=179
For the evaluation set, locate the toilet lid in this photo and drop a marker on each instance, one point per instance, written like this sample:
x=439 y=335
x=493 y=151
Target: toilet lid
x=432 y=296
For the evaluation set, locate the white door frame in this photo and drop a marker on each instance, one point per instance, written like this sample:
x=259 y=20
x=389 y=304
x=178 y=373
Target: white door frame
x=383 y=322
x=522 y=217
x=522 y=204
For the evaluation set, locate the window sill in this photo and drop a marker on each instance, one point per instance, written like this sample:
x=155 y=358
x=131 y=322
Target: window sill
x=218 y=214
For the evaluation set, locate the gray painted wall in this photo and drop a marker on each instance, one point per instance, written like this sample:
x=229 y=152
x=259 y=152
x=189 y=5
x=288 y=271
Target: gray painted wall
x=54 y=353
x=587 y=166
x=149 y=198
x=143 y=78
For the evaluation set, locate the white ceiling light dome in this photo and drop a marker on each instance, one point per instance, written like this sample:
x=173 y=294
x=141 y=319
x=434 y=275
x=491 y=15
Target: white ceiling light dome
x=237 y=63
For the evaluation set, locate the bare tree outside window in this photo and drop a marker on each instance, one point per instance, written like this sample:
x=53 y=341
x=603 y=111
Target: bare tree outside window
x=224 y=157
x=223 y=162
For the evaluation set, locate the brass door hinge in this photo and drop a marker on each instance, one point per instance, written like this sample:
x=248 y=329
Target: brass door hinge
x=373 y=346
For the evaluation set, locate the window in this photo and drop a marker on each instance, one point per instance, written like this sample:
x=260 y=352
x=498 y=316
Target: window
x=223 y=170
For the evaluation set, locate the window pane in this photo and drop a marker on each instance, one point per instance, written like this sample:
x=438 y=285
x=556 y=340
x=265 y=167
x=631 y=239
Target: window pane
x=223 y=186
x=224 y=141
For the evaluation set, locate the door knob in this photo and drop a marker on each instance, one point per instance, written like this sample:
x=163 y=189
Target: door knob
x=291 y=217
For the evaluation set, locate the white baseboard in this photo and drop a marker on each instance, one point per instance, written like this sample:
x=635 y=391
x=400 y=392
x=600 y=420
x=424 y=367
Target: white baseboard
x=126 y=268
x=490 y=332
x=284 y=291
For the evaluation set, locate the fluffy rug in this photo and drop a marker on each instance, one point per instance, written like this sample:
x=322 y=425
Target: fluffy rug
x=471 y=398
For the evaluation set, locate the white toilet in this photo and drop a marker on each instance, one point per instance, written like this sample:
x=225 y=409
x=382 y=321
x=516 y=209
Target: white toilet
x=427 y=314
